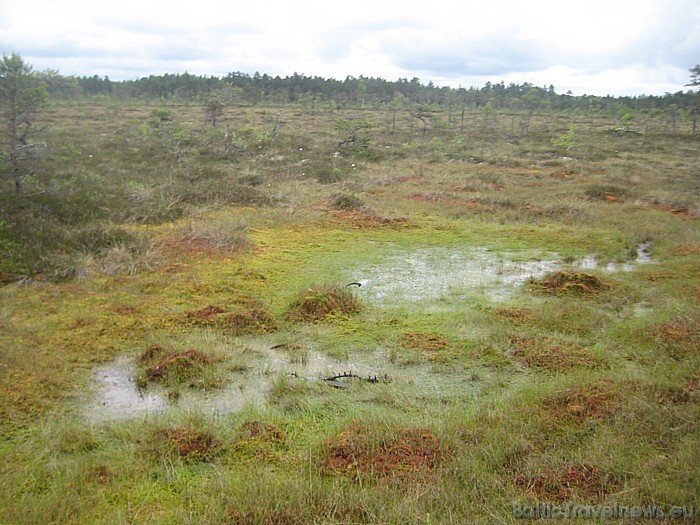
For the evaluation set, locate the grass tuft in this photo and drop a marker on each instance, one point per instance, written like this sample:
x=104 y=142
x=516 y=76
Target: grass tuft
x=322 y=302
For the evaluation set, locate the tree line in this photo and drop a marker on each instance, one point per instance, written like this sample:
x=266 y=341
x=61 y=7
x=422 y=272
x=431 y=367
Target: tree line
x=369 y=92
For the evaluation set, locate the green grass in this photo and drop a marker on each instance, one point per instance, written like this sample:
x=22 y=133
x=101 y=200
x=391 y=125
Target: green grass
x=233 y=267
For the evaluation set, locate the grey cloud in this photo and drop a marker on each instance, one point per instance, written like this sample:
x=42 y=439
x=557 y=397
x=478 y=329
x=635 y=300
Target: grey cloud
x=494 y=55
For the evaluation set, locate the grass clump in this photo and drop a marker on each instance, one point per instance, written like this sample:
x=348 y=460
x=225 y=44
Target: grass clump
x=321 y=302
x=606 y=192
x=346 y=201
x=191 y=367
x=569 y=283
x=224 y=234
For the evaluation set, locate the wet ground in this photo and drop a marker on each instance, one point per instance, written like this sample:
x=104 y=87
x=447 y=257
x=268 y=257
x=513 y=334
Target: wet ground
x=427 y=275
x=118 y=396
x=436 y=273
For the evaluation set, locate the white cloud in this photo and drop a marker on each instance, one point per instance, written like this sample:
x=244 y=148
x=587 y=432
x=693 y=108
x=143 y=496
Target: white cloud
x=597 y=46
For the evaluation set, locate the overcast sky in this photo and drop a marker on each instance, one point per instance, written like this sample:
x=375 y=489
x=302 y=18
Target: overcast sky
x=597 y=47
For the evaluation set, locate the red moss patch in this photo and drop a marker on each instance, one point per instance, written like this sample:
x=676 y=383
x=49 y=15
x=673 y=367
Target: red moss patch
x=563 y=174
x=98 y=474
x=122 y=309
x=550 y=354
x=192 y=247
x=360 y=451
x=436 y=197
x=191 y=445
x=254 y=321
x=670 y=208
x=597 y=401
x=182 y=364
x=251 y=317
x=568 y=482
x=569 y=283
x=363 y=220
x=152 y=352
x=205 y=315
x=686 y=249
x=429 y=342
x=692 y=386
x=680 y=337
x=261 y=431
x=516 y=315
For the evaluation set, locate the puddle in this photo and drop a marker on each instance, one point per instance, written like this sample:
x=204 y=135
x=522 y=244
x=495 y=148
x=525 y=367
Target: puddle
x=118 y=394
x=436 y=273
x=428 y=274
x=432 y=274
x=119 y=397
x=643 y=257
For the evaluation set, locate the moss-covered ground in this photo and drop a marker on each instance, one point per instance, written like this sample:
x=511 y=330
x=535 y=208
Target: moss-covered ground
x=580 y=386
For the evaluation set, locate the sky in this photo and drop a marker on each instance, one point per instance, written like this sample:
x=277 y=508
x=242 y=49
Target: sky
x=595 y=47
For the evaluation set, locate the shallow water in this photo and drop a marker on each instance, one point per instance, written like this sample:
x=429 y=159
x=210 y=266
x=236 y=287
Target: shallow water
x=432 y=274
x=119 y=397
x=436 y=273
x=427 y=275
x=117 y=393
x=643 y=257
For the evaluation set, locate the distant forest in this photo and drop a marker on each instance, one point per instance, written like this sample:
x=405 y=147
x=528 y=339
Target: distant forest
x=241 y=88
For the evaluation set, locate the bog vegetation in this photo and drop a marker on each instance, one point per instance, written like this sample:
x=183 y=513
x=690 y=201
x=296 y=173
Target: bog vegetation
x=353 y=301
